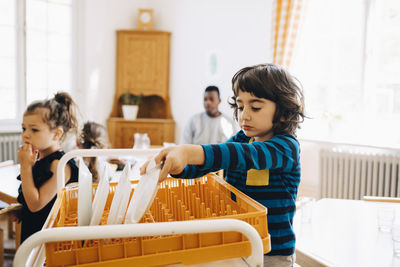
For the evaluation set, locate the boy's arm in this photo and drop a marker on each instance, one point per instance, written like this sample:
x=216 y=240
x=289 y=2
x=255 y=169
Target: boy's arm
x=281 y=151
x=183 y=161
x=194 y=171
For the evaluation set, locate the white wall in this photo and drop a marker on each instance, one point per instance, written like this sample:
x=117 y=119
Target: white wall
x=310 y=184
x=97 y=22
x=238 y=31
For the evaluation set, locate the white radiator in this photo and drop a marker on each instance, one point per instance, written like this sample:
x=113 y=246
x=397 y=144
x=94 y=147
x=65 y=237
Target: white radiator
x=354 y=174
x=9 y=144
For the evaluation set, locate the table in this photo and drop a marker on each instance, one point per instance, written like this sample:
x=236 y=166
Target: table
x=345 y=233
x=9 y=184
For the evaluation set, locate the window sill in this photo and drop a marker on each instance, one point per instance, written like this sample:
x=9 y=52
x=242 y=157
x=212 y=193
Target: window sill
x=330 y=142
x=10 y=126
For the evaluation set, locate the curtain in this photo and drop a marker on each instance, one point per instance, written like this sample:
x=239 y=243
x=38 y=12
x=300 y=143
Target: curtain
x=287 y=15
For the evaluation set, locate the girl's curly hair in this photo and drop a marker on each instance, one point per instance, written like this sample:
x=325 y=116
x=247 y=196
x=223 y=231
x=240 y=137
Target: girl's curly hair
x=274 y=83
x=59 y=111
x=93 y=136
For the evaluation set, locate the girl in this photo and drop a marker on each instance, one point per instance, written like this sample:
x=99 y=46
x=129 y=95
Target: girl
x=262 y=159
x=44 y=126
x=93 y=135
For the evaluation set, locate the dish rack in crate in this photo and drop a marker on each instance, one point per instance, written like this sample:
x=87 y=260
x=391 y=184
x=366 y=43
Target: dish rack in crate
x=190 y=221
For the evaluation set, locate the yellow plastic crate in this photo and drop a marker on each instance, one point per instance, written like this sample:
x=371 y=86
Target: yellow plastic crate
x=208 y=197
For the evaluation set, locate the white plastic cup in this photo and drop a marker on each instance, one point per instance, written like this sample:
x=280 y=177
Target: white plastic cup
x=307 y=206
x=385 y=219
x=396 y=240
x=142 y=141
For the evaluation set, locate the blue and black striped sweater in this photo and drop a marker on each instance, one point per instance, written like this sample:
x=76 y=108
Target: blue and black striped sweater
x=281 y=155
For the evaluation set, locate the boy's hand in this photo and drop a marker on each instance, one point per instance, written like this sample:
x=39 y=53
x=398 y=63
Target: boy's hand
x=175 y=159
x=26 y=155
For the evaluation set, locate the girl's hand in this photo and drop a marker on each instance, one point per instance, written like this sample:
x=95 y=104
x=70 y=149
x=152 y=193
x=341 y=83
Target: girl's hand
x=175 y=159
x=26 y=155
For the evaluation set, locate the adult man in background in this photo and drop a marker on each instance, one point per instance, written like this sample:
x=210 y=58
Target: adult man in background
x=210 y=126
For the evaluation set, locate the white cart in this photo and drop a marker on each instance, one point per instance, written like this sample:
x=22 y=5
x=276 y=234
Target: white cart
x=31 y=252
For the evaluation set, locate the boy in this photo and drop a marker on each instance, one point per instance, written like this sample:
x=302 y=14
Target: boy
x=263 y=159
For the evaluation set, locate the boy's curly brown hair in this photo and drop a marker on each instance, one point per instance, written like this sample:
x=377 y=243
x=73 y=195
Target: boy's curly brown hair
x=274 y=83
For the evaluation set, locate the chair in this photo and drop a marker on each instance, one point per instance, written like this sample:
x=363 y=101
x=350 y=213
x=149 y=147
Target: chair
x=382 y=199
x=10 y=224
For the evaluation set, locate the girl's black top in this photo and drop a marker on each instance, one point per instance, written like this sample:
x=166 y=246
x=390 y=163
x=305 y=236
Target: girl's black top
x=32 y=222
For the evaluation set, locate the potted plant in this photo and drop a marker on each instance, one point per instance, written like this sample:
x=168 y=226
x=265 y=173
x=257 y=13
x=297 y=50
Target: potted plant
x=130 y=105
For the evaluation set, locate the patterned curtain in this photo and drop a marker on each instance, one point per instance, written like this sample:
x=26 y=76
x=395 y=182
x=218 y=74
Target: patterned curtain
x=286 y=19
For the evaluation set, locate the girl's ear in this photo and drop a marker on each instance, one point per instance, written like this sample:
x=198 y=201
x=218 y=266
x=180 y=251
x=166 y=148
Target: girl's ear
x=58 y=133
x=282 y=119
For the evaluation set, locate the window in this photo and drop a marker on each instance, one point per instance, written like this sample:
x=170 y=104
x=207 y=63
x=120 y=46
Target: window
x=35 y=54
x=8 y=59
x=347 y=60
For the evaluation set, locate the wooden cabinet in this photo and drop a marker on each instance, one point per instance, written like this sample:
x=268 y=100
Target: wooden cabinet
x=142 y=67
x=121 y=131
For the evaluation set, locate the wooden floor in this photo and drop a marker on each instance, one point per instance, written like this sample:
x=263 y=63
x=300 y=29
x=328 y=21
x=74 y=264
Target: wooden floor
x=8 y=243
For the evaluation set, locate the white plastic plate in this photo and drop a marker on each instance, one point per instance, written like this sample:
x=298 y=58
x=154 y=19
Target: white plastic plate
x=121 y=197
x=100 y=198
x=84 y=194
x=144 y=193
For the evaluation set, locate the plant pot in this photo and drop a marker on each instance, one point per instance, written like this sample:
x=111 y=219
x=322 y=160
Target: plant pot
x=130 y=111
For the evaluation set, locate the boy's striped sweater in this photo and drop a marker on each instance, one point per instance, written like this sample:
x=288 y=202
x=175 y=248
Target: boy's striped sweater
x=281 y=155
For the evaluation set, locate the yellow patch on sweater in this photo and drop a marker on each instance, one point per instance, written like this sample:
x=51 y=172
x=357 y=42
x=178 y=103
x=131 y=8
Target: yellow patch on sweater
x=257 y=177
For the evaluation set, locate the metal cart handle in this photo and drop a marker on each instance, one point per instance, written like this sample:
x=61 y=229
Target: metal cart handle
x=97 y=152
x=143 y=229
